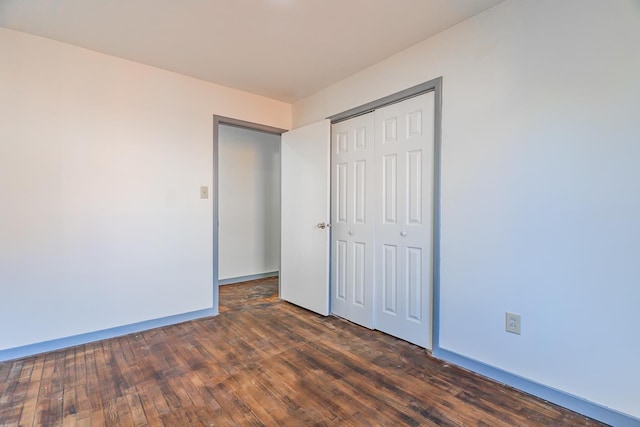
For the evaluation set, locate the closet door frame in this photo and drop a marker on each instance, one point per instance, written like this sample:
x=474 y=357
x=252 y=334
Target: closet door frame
x=435 y=86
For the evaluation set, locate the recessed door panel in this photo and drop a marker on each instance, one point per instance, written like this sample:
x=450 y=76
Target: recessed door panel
x=341 y=142
x=359 y=273
x=341 y=269
x=390 y=279
x=413 y=284
x=390 y=188
x=390 y=130
x=361 y=138
x=360 y=191
x=414 y=124
x=414 y=187
x=341 y=193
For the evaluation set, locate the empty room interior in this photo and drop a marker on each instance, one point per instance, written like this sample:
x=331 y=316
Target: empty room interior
x=322 y=212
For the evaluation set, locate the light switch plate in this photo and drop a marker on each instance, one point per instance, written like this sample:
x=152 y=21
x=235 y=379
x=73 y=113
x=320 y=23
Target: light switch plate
x=204 y=192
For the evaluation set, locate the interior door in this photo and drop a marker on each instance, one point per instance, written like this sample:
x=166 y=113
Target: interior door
x=304 y=262
x=352 y=219
x=404 y=152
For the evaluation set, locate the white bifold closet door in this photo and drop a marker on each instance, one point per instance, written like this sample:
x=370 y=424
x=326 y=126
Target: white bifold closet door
x=352 y=250
x=404 y=149
x=382 y=216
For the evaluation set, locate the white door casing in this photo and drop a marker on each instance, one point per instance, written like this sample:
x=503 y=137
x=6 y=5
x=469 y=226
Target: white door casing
x=304 y=268
x=404 y=152
x=352 y=219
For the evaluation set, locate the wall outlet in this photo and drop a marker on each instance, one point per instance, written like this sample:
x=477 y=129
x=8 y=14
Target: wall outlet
x=204 y=192
x=512 y=323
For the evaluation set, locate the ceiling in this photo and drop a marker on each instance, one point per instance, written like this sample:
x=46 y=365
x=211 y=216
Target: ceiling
x=282 y=49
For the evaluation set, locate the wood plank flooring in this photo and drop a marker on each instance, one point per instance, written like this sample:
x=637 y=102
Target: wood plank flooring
x=260 y=362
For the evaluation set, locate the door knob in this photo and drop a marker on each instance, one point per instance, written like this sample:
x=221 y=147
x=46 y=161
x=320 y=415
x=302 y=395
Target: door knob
x=351 y=233
x=403 y=233
x=323 y=225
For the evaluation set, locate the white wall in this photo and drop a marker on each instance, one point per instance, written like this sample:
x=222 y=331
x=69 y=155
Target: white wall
x=540 y=187
x=249 y=202
x=101 y=162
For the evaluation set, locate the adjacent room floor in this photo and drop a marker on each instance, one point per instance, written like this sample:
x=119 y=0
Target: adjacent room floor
x=260 y=362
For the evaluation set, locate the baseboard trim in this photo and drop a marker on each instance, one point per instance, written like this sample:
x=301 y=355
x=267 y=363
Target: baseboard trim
x=566 y=400
x=231 y=280
x=75 y=340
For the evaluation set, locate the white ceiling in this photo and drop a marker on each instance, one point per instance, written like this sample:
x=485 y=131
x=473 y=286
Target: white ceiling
x=282 y=49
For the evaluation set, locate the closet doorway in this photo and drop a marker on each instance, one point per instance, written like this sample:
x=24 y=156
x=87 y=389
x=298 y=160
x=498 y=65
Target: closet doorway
x=382 y=174
x=246 y=197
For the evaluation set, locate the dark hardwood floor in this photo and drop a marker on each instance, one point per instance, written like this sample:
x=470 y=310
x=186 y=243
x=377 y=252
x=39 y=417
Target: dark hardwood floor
x=248 y=295
x=260 y=362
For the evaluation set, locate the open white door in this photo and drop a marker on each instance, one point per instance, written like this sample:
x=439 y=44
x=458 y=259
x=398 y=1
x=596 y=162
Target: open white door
x=304 y=261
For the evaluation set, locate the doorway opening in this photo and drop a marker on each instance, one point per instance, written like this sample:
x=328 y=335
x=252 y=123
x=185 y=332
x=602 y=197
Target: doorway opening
x=246 y=211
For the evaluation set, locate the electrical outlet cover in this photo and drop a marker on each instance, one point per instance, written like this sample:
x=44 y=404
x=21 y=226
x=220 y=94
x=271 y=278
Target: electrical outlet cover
x=512 y=323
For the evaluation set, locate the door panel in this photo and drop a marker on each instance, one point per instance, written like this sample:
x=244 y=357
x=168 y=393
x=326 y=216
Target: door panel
x=414 y=283
x=389 y=277
x=341 y=194
x=404 y=145
x=304 y=269
x=360 y=192
x=414 y=190
x=340 y=271
x=390 y=188
x=352 y=247
x=359 y=272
